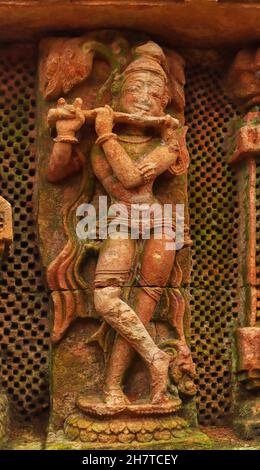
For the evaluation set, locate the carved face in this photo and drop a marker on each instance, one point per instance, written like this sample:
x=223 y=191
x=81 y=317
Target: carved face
x=144 y=93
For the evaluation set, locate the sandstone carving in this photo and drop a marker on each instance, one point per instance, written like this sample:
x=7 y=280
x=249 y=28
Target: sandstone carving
x=6 y=238
x=120 y=147
x=244 y=87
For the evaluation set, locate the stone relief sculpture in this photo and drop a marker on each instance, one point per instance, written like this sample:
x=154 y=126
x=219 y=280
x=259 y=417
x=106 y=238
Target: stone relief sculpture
x=130 y=298
x=127 y=143
x=6 y=238
x=6 y=229
x=243 y=86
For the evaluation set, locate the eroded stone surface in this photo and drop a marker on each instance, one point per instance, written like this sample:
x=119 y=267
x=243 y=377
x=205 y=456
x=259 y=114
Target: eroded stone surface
x=138 y=137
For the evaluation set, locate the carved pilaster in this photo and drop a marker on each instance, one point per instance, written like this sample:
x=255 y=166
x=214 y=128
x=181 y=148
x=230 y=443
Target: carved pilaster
x=6 y=228
x=243 y=85
x=6 y=238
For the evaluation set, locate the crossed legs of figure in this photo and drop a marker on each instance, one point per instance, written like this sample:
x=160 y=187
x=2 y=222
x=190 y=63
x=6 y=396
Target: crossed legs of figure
x=114 y=264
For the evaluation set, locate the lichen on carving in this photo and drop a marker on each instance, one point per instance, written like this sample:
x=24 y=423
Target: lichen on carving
x=119 y=136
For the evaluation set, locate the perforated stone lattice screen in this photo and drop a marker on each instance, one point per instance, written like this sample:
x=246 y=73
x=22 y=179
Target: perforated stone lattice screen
x=23 y=302
x=24 y=330
x=214 y=219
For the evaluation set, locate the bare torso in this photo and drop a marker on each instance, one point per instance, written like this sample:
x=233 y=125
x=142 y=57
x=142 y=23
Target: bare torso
x=104 y=172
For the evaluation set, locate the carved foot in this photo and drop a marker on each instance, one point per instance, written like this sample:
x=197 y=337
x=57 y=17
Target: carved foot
x=94 y=405
x=115 y=397
x=159 y=377
x=162 y=399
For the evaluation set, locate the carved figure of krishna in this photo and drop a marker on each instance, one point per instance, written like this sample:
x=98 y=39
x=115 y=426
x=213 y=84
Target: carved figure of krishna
x=129 y=146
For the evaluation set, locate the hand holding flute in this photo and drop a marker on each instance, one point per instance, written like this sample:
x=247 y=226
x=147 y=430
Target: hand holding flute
x=69 y=118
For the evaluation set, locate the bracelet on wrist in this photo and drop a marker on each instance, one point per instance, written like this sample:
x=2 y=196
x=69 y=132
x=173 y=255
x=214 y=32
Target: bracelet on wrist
x=66 y=139
x=103 y=138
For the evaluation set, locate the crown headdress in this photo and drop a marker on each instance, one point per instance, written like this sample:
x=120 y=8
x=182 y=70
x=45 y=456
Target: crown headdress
x=149 y=57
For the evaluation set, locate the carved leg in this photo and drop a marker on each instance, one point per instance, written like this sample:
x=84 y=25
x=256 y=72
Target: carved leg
x=120 y=360
x=126 y=322
x=155 y=271
x=113 y=268
x=122 y=353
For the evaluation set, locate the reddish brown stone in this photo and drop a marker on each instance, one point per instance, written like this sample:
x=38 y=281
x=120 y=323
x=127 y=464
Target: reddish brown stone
x=139 y=137
x=6 y=227
x=243 y=80
x=248 y=138
x=248 y=339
